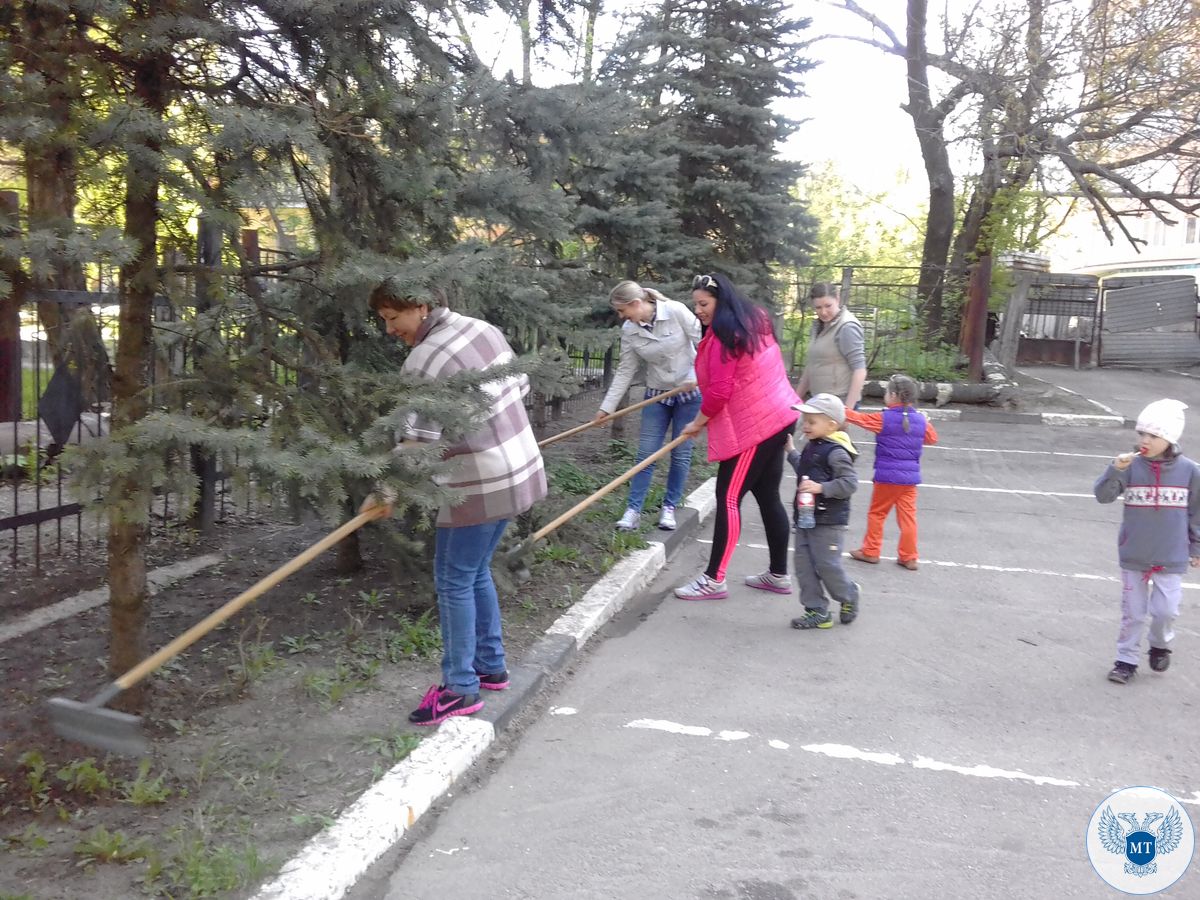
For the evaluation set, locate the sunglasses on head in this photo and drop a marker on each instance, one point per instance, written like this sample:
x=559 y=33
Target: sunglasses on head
x=704 y=282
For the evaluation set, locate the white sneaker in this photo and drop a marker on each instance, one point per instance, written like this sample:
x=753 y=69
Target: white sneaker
x=666 y=520
x=767 y=581
x=702 y=588
x=629 y=521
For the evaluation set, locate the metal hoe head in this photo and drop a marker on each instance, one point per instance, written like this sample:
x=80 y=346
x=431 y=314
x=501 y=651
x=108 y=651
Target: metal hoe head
x=97 y=726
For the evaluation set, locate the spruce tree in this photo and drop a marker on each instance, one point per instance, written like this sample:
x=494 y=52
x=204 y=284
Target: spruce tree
x=711 y=69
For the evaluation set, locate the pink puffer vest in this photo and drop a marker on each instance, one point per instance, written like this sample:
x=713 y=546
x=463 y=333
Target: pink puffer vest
x=762 y=399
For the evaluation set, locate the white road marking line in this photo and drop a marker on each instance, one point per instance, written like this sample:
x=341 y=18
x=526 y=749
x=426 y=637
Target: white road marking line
x=922 y=762
x=1107 y=409
x=563 y=710
x=733 y=735
x=845 y=751
x=1106 y=456
x=988 y=490
x=672 y=727
x=980 y=567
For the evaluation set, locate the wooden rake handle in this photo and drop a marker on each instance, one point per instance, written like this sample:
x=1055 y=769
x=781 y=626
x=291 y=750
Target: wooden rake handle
x=570 y=432
x=600 y=494
x=200 y=629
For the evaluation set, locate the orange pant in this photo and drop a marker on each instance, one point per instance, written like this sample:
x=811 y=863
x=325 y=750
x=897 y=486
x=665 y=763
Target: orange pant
x=883 y=498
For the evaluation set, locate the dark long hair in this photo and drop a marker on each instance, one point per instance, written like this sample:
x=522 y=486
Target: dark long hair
x=739 y=325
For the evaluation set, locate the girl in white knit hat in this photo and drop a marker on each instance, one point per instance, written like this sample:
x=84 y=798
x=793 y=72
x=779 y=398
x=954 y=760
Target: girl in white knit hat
x=1159 y=537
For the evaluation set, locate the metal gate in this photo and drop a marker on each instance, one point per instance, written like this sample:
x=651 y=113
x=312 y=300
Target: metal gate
x=1149 y=321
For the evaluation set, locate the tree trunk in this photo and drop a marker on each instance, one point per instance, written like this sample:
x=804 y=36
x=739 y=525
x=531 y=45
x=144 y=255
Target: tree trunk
x=10 y=313
x=939 y=221
x=139 y=280
x=526 y=43
x=204 y=465
x=51 y=172
x=589 y=38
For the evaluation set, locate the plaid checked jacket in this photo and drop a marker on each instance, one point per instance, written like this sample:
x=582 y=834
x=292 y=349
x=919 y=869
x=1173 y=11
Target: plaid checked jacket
x=499 y=472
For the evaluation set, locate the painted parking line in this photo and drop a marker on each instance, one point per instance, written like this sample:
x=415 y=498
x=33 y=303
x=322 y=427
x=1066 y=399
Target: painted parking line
x=949 y=447
x=882 y=757
x=981 y=567
x=990 y=490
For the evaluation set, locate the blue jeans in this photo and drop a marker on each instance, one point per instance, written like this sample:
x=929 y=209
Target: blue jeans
x=656 y=418
x=468 y=608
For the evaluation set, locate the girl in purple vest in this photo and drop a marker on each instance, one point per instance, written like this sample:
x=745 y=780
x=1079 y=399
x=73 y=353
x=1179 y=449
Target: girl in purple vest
x=747 y=408
x=903 y=433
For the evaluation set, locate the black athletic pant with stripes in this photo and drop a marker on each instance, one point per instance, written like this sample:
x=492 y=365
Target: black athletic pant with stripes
x=756 y=471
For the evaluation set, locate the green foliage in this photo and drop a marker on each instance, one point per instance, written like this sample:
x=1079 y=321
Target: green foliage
x=856 y=228
x=197 y=866
x=36 y=783
x=419 y=638
x=558 y=554
x=568 y=478
x=144 y=790
x=331 y=686
x=29 y=839
x=103 y=846
x=393 y=747
x=83 y=777
x=708 y=73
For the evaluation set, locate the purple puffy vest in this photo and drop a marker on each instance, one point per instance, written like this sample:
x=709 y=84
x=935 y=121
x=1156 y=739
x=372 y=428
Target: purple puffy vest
x=897 y=452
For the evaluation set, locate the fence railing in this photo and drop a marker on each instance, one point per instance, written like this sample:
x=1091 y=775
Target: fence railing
x=884 y=299
x=64 y=400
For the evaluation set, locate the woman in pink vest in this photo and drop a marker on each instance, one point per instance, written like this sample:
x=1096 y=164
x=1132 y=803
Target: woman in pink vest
x=747 y=408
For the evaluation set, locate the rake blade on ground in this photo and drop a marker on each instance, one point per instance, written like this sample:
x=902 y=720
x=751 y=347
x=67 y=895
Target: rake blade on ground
x=97 y=726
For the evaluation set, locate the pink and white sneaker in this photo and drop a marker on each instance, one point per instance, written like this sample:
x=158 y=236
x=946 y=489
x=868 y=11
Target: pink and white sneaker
x=702 y=588
x=768 y=581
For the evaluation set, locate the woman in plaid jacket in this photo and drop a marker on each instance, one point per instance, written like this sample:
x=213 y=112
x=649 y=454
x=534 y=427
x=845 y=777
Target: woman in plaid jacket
x=499 y=474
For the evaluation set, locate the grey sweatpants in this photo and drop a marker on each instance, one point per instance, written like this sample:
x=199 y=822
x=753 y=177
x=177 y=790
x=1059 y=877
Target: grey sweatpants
x=818 y=563
x=1147 y=595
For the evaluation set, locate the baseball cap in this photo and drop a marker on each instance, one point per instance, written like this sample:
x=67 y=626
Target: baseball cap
x=825 y=405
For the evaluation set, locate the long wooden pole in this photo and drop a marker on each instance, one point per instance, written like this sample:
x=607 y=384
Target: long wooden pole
x=570 y=432
x=200 y=629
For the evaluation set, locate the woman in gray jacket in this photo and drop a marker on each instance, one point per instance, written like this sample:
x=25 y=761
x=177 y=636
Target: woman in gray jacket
x=659 y=335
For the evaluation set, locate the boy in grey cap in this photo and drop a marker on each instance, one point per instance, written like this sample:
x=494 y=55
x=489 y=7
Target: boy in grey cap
x=825 y=469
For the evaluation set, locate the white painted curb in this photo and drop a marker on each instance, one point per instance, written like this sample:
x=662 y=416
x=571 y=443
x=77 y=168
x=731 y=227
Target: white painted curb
x=1081 y=419
x=331 y=863
x=703 y=499
x=609 y=594
x=82 y=602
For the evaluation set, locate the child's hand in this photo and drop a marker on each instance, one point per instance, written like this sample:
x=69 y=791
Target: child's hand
x=790 y=445
x=1123 y=461
x=810 y=486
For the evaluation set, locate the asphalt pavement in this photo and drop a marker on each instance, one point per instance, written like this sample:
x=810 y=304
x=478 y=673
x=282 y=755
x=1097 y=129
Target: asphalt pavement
x=952 y=742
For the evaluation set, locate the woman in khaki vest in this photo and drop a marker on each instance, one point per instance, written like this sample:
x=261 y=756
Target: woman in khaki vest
x=836 y=362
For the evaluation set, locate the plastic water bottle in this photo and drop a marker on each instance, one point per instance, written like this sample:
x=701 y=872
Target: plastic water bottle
x=806 y=510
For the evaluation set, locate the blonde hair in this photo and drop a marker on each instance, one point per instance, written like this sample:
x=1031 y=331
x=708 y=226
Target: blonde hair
x=906 y=390
x=627 y=292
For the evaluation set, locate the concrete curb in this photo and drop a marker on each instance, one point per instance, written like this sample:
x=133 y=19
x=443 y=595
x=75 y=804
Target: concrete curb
x=332 y=862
